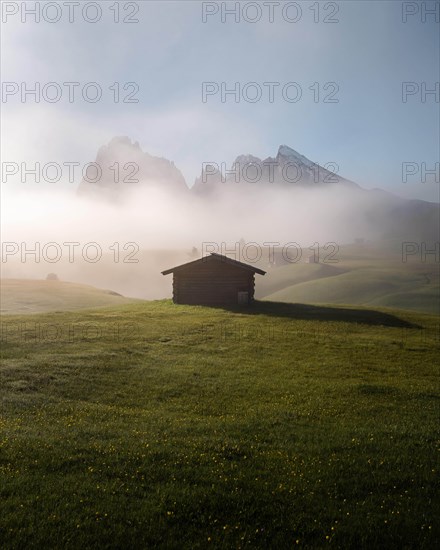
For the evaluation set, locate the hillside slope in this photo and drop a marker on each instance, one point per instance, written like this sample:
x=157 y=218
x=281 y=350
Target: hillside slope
x=36 y=296
x=363 y=275
x=366 y=287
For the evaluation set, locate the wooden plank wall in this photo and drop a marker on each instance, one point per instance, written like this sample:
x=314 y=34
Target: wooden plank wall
x=212 y=283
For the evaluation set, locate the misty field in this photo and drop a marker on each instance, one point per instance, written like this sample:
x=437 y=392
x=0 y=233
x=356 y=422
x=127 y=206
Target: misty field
x=157 y=425
x=369 y=275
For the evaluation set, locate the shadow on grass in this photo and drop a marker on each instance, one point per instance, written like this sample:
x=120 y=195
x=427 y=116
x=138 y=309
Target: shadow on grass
x=322 y=313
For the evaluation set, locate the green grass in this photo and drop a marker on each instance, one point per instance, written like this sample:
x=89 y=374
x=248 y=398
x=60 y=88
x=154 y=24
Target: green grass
x=37 y=296
x=368 y=276
x=157 y=425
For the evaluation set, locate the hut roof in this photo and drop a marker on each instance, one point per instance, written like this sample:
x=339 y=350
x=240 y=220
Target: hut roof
x=216 y=257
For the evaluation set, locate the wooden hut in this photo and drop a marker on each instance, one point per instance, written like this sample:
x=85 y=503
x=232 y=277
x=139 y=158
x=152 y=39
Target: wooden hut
x=214 y=280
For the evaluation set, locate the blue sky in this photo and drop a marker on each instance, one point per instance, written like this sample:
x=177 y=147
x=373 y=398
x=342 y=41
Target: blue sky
x=368 y=53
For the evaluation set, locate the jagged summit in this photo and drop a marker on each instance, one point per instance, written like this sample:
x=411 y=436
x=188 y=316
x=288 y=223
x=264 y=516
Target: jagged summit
x=125 y=167
x=288 y=152
x=251 y=180
x=288 y=169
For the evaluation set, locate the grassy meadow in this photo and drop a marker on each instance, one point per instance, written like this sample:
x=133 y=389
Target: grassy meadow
x=36 y=296
x=371 y=275
x=156 y=425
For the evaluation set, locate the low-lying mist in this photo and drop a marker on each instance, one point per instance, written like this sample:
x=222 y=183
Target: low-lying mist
x=124 y=242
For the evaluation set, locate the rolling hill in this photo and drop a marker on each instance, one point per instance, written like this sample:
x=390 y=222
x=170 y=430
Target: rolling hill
x=368 y=276
x=36 y=296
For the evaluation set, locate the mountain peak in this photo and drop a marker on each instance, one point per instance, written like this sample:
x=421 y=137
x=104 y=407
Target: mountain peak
x=134 y=168
x=289 y=153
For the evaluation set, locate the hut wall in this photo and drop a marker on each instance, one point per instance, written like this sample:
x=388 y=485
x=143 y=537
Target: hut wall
x=212 y=283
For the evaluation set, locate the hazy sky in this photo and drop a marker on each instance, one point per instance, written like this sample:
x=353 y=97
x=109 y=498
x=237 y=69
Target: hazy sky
x=368 y=51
